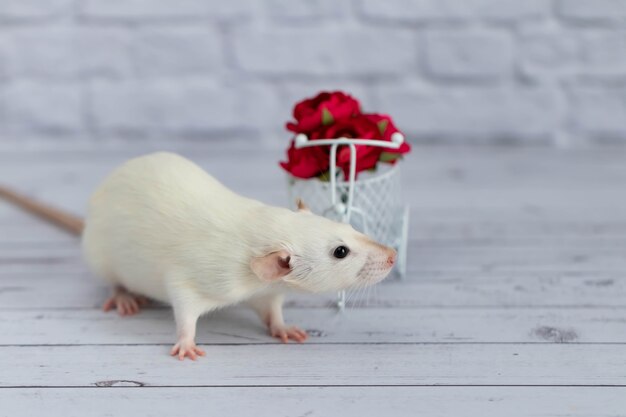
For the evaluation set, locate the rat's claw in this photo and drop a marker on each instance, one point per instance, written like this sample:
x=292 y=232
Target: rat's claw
x=186 y=349
x=285 y=333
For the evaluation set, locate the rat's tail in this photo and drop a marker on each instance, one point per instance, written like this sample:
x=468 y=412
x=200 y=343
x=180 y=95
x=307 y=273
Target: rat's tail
x=66 y=221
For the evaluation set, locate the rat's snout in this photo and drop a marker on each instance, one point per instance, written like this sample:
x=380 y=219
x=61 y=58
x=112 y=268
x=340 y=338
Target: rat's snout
x=380 y=261
x=391 y=257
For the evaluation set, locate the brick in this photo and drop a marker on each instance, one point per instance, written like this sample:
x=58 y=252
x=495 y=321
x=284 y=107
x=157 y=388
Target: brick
x=34 y=9
x=161 y=52
x=592 y=10
x=599 y=112
x=41 y=107
x=305 y=10
x=511 y=10
x=477 y=114
x=327 y=52
x=4 y=60
x=552 y=52
x=294 y=92
x=468 y=55
x=166 y=9
x=604 y=51
x=176 y=106
x=587 y=52
x=68 y=52
x=258 y=106
x=452 y=10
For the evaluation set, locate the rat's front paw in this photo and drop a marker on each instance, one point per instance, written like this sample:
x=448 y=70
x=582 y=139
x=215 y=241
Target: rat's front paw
x=184 y=349
x=284 y=333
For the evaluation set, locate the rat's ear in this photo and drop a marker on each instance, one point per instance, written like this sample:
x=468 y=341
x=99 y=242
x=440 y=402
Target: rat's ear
x=301 y=206
x=272 y=266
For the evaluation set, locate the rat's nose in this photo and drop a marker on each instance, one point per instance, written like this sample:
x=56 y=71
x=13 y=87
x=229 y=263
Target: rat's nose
x=391 y=259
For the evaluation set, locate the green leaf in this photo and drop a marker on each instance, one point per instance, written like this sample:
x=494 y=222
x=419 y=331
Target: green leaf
x=324 y=176
x=389 y=157
x=382 y=126
x=327 y=117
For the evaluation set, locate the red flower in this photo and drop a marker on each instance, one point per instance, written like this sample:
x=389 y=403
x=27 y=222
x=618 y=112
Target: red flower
x=387 y=128
x=306 y=162
x=366 y=158
x=355 y=127
x=337 y=115
x=359 y=127
x=323 y=110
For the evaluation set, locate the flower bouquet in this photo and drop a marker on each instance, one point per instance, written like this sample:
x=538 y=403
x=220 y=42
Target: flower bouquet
x=344 y=164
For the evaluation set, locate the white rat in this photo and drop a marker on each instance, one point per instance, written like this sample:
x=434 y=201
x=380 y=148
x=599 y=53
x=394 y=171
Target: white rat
x=161 y=227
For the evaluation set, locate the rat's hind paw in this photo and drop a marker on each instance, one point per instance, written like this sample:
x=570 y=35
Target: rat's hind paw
x=125 y=302
x=186 y=349
x=284 y=333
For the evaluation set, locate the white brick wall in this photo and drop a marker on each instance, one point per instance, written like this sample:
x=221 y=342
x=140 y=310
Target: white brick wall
x=101 y=73
x=468 y=55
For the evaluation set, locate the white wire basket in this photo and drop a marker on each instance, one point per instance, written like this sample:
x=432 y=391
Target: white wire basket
x=372 y=204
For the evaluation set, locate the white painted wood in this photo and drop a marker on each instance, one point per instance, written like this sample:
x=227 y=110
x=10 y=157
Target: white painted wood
x=423 y=258
x=512 y=252
x=527 y=180
x=395 y=325
x=427 y=229
x=446 y=289
x=317 y=364
x=433 y=227
x=315 y=401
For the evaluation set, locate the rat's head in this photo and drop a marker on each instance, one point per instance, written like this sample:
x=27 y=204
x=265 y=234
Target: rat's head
x=316 y=254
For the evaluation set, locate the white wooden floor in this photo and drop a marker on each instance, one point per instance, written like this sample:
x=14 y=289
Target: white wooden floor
x=515 y=303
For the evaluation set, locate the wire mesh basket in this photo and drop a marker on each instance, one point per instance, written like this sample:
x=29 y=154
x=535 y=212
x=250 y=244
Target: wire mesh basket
x=372 y=204
x=377 y=209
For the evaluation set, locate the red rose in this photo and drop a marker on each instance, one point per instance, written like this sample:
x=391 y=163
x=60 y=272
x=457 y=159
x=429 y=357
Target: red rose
x=307 y=162
x=387 y=128
x=355 y=127
x=366 y=158
x=337 y=115
x=323 y=110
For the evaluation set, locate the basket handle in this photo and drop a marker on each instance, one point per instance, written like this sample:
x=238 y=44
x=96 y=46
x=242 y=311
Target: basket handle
x=397 y=139
x=302 y=141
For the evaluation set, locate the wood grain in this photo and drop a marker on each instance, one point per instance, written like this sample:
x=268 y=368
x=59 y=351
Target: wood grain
x=317 y=364
x=551 y=289
x=325 y=326
x=70 y=223
x=322 y=401
x=516 y=292
x=424 y=258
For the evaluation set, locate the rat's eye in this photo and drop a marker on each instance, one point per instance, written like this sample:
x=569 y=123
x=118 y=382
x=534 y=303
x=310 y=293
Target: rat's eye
x=341 y=252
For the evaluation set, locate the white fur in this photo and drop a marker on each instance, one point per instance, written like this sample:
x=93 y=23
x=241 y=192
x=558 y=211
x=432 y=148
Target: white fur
x=160 y=226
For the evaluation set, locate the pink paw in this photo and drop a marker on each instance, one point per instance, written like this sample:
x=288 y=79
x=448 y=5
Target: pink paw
x=186 y=349
x=126 y=303
x=284 y=333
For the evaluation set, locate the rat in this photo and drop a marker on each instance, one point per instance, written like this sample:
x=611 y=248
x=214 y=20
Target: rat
x=160 y=227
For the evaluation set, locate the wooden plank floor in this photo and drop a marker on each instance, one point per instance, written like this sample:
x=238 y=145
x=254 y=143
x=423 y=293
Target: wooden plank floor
x=514 y=304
